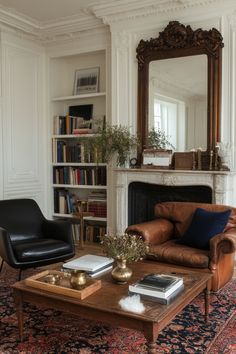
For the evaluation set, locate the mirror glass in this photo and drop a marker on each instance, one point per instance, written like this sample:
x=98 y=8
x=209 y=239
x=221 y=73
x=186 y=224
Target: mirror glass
x=178 y=100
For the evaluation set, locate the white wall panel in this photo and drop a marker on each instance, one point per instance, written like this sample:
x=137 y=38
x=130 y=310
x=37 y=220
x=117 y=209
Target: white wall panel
x=23 y=121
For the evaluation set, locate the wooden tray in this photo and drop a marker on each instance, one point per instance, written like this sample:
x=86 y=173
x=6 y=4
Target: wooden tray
x=39 y=281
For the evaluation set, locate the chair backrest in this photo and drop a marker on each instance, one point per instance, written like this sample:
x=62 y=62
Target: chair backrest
x=181 y=213
x=21 y=217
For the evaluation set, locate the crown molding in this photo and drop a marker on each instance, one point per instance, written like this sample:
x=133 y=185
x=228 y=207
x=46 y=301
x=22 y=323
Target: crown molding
x=94 y=17
x=48 y=31
x=134 y=9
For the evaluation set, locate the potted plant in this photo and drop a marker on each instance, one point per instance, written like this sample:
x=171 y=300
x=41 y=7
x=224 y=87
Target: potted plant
x=109 y=141
x=123 y=248
x=158 y=139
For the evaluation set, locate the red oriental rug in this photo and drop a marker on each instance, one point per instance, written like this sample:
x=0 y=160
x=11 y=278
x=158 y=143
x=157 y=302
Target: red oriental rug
x=51 y=332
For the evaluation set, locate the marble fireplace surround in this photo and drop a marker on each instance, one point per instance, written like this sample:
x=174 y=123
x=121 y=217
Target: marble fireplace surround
x=221 y=182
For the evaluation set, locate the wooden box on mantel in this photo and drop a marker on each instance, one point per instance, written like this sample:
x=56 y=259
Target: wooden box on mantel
x=64 y=288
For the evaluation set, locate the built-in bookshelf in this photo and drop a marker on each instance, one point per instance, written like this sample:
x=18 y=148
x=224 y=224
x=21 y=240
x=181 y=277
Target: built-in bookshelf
x=79 y=183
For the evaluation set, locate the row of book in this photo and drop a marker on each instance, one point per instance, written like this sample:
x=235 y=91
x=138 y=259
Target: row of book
x=67 y=151
x=162 y=288
x=71 y=125
x=64 y=202
x=80 y=176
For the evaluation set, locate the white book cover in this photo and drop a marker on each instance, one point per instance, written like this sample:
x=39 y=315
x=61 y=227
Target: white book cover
x=89 y=263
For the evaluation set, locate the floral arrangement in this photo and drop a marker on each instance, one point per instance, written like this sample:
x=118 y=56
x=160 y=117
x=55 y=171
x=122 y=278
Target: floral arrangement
x=125 y=246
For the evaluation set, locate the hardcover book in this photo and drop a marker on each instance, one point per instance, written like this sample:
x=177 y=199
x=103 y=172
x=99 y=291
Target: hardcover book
x=157 y=285
x=90 y=263
x=160 y=300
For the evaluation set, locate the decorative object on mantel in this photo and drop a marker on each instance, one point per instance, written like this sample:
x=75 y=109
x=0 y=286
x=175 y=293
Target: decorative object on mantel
x=157 y=158
x=224 y=152
x=197 y=160
x=157 y=155
x=123 y=248
x=157 y=139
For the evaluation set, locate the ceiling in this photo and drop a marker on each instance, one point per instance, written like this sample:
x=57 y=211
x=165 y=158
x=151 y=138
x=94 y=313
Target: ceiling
x=49 y=10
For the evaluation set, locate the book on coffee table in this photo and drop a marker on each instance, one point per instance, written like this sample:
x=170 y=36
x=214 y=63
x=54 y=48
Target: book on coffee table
x=93 y=265
x=165 y=301
x=157 y=285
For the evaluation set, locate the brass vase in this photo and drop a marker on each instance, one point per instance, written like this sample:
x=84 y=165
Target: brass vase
x=121 y=273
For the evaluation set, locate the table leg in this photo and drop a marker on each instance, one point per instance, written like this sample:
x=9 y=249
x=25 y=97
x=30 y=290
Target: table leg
x=151 y=335
x=19 y=311
x=151 y=347
x=207 y=300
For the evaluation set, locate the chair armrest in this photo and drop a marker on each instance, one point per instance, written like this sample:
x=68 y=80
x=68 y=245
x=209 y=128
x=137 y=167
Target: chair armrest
x=222 y=243
x=154 y=232
x=6 y=251
x=59 y=230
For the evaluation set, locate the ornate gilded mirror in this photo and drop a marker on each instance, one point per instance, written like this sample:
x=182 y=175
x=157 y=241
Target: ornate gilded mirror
x=179 y=76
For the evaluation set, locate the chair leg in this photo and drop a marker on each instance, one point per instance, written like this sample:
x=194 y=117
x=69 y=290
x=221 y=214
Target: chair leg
x=19 y=276
x=1 y=265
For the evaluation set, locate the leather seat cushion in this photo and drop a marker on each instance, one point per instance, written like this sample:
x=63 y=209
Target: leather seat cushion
x=40 y=249
x=171 y=252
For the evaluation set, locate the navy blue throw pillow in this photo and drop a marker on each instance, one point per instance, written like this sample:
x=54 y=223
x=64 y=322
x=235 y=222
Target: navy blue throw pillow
x=205 y=224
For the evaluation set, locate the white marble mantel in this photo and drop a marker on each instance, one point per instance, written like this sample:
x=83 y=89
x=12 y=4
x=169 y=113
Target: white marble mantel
x=221 y=182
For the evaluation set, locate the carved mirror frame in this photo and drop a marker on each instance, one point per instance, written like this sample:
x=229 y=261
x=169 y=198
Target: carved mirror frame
x=178 y=40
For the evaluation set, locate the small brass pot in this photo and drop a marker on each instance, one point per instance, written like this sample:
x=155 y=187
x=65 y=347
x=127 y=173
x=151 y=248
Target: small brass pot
x=78 y=279
x=53 y=279
x=121 y=273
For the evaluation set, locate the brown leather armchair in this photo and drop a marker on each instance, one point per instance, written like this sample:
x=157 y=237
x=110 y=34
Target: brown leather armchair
x=173 y=219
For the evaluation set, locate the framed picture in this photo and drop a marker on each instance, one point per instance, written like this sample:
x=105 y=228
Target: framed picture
x=86 y=81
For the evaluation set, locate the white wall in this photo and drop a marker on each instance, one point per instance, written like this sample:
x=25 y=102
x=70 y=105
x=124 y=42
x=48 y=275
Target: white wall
x=23 y=120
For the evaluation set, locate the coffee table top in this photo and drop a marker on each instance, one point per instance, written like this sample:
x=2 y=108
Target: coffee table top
x=107 y=298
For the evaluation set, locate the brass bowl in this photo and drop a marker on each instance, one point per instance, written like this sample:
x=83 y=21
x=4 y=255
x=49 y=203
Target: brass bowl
x=53 y=279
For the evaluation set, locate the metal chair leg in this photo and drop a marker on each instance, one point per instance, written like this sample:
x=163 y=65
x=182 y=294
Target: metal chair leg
x=1 y=265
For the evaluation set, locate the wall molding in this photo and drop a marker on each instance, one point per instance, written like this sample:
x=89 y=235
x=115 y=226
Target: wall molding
x=93 y=18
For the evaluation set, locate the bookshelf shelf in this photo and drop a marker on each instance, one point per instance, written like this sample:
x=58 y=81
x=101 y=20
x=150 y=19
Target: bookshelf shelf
x=79 y=97
x=88 y=218
x=82 y=186
x=72 y=136
x=83 y=164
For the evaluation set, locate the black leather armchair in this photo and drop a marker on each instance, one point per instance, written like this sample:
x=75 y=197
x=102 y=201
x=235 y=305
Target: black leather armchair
x=28 y=239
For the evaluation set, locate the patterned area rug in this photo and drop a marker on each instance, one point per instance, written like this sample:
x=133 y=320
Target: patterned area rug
x=50 y=332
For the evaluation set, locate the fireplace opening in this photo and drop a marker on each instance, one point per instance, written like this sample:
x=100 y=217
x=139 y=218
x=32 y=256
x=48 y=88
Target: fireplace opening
x=142 y=198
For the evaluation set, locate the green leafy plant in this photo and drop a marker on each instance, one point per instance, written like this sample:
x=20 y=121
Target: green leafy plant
x=125 y=246
x=109 y=141
x=158 y=139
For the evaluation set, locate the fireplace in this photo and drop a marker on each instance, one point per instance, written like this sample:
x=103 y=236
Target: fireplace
x=132 y=206
x=142 y=198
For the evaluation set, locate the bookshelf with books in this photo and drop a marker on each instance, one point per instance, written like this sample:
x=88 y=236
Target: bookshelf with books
x=78 y=102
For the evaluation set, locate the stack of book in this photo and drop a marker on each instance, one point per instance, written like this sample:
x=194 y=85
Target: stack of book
x=162 y=288
x=93 y=265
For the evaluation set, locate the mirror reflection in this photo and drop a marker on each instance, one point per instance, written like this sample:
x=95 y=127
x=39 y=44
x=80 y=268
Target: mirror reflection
x=178 y=100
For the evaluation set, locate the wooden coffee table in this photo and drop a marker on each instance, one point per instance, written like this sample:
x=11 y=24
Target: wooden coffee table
x=103 y=305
